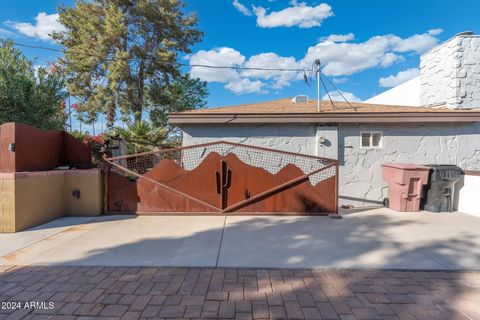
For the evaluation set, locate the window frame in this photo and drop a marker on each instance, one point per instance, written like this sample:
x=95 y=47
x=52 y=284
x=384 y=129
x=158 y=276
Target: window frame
x=371 y=146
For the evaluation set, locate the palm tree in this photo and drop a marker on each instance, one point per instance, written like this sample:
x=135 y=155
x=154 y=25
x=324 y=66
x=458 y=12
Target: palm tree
x=142 y=136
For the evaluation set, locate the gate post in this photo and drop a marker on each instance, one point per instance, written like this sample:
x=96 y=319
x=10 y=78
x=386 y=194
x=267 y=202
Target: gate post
x=106 y=183
x=337 y=173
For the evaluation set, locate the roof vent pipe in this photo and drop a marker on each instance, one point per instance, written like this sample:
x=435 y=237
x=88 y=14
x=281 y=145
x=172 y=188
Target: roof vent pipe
x=300 y=99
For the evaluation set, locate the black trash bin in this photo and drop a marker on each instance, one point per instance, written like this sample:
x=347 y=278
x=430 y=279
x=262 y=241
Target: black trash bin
x=439 y=193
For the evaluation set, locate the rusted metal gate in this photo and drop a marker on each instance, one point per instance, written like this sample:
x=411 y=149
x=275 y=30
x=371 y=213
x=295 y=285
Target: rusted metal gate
x=221 y=177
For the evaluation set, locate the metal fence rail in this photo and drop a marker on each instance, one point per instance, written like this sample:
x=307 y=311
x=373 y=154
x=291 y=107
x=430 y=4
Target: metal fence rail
x=191 y=157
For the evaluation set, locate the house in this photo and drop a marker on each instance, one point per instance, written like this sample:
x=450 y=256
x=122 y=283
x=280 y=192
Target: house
x=444 y=129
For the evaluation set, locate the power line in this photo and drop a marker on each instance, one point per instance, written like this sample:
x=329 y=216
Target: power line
x=328 y=93
x=341 y=94
x=164 y=62
x=307 y=79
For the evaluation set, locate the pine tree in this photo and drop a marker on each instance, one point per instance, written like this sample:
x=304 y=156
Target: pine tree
x=121 y=54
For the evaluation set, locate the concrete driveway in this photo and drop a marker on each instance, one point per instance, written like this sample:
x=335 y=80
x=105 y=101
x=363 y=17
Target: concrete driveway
x=380 y=239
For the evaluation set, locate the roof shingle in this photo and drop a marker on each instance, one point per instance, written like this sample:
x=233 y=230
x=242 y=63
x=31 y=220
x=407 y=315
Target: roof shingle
x=287 y=106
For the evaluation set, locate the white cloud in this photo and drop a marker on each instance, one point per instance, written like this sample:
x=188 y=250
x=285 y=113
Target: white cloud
x=340 y=37
x=435 y=32
x=271 y=60
x=240 y=7
x=399 y=78
x=299 y=14
x=244 y=81
x=224 y=57
x=245 y=85
x=340 y=80
x=390 y=58
x=44 y=25
x=339 y=58
x=336 y=96
x=346 y=58
x=418 y=42
x=227 y=57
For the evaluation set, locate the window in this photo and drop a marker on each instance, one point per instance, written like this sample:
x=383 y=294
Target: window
x=371 y=140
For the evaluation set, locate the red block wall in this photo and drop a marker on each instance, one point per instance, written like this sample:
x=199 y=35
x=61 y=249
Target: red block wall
x=37 y=149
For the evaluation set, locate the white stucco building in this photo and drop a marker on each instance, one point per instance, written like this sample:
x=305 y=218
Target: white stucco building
x=449 y=76
x=443 y=129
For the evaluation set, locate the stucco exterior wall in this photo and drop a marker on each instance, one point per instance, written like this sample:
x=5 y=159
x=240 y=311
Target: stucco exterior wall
x=38 y=200
x=450 y=73
x=7 y=205
x=286 y=137
x=361 y=180
x=32 y=198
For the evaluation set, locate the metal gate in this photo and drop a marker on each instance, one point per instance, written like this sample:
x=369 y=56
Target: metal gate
x=221 y=177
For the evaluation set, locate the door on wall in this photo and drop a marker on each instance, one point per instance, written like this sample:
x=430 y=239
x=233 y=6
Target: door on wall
x=327 y=141
x=221 y=177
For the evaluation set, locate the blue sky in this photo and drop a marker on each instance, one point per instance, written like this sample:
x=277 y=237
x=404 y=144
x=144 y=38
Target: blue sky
x=365 y=46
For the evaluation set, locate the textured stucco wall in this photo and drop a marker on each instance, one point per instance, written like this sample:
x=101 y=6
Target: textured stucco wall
x=360 y=172
x=90 y=202
x=361 y=180
x=286 y=137
x=31 y=198
x=38 y=199
x=450 y=73
x=7 y=205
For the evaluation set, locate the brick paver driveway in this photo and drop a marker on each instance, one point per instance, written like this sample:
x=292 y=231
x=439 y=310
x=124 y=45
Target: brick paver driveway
x=133 y=293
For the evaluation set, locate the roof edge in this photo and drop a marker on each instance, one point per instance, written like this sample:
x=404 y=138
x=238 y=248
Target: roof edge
x=344 y=117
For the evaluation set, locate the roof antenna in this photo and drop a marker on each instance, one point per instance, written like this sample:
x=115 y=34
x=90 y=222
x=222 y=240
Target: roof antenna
x=317 y=64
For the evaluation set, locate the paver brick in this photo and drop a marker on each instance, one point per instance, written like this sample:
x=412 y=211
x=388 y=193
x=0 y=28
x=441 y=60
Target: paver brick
x=192 y=300
x=150 y=311
x=227 y=293
x=172 y=300
x=172 y=312
x=260 y=310
x=243 y=316
x=111 y=298
x=209 y=315
x=312 y=313
x=69 y=308
x=217 y=295
x=327 y=311
x=277 y=312
x=226 y=310
x=294 y=310
x=140 y=303
x=366 y=314
x=377 y=298
x=193 y=312
x=113 y=311
x=243 y=306
x=235 y=295
x=211 y=306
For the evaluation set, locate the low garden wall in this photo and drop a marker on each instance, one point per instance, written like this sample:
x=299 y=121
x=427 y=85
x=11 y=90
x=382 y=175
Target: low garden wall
x=32 y=198
x=32 y=188
x=24 y=148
